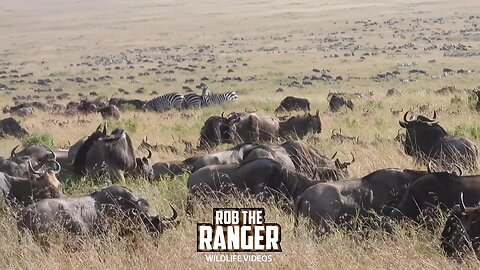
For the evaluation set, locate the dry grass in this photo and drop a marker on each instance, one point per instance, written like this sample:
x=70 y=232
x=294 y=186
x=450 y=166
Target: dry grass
x=34 y=31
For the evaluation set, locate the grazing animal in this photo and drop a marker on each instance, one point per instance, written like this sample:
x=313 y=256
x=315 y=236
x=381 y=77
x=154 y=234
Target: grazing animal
x=427 y=141
x=22 y=112
x=110 y=111
x=252 y=128
x=170 y=169
x=218 y=99
x=11 y=127
x=40 y=184
x=37 y=155
x=339 y=202
x=121 y=103
x=256 y=177
x=91 y=214
x=438 y=189
x=194 y=101
x=291 y=103
x=461 y=232
x=337 y=101
x=215 y=131
x=113 y=154
x=165 y=102
x=310 y=162
x=298 y=127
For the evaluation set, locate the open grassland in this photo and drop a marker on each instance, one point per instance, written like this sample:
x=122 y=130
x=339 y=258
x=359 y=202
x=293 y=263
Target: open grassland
x=268 y=44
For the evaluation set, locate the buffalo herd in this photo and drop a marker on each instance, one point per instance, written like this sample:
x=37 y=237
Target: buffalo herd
x=268 y=160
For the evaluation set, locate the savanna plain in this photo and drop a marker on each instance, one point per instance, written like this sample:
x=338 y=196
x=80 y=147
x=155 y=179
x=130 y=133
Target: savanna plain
x=263 y=50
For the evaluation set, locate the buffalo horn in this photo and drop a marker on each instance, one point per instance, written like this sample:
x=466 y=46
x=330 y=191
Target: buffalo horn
x=12 y=153
x=54 y=156
x=173 y=217
x=462 y=203
x=57 y=166
x=405 y=117
x=32 y=170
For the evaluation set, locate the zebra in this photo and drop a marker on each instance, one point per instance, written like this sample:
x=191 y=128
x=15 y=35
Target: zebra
x=192 y=100
x=218 y=99
x=165 y=102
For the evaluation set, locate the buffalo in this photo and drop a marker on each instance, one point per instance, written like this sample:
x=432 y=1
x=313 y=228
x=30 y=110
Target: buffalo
x=339 y=202
x=338 y=101
x=36 y=155
x=461 y=232
x=310 y=162
x=40 y=184
x=11 y=127
x=299 y=127
x=427 y=141
x=113 y=154
x=91 y=214
x=291 y=103
x=261 y=177
x=110 y=111
x=215 y=131
x=437 y=189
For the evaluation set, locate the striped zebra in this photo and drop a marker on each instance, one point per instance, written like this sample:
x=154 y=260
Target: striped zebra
x=165 y=102
x=193 y=100
x=218 y=99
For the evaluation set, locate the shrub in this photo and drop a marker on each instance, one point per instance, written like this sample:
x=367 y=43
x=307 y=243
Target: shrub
x=38 y=138
x=470 y=131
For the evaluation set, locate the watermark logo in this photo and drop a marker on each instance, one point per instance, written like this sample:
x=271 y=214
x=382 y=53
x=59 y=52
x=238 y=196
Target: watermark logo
x=238 y=230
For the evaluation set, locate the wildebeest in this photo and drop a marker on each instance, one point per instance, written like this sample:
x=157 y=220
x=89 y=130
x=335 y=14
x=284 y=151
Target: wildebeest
x=426 y=140
x=461 y=232
x=437 y=189
x=113 y=154
x=110 y=111
x=124 y=103
x=39 y=184
x=23 y=111
x=251 y=128
x=337 y=101
x=262 y=177
x=298 y=127
x=309 y=161
x=170 y=168
x=339 y=202
x=10 y=127
x=36 y=155
x=232 y=156
x=215 y=131
x=91 y=214
x=291 y=103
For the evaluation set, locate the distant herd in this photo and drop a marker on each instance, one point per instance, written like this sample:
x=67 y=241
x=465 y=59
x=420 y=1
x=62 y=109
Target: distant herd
x=292 y=173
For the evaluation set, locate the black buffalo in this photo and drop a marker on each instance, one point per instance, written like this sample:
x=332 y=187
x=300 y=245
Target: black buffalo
x=291 y=103
x=427 y=141
x=91 y=214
